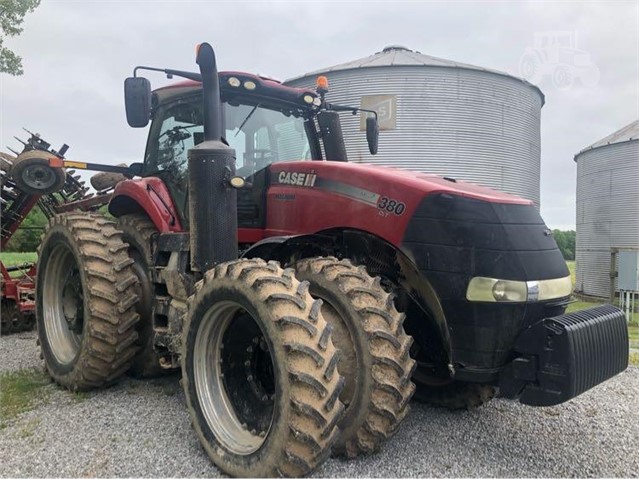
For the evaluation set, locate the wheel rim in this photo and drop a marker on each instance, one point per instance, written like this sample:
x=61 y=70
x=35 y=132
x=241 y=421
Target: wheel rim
x=233 y=376
x=63 y=305
x=39 y=177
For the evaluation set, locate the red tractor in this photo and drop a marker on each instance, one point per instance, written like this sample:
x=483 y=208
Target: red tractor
x=301 y=295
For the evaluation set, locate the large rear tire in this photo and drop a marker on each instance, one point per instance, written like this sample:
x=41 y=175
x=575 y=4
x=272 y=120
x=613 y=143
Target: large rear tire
x=375 y=362
x=259 y=371
x=138 y=231
x=85 y=301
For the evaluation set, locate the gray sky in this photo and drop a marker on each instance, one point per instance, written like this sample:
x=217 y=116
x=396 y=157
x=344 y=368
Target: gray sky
x=76 y=55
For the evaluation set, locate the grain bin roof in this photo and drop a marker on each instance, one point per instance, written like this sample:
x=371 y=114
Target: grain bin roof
x=397 y=55
x=627 y=133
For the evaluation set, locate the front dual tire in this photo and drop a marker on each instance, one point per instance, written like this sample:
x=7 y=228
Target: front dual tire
x=260 y=371
x=375 y=362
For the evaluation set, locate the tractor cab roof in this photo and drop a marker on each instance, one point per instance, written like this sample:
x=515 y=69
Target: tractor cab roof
x=247 y=88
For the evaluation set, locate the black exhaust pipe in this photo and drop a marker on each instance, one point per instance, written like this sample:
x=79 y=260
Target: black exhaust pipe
x=212 y=201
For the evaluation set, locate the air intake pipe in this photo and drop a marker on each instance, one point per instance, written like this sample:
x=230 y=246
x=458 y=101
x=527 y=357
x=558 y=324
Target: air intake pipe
x=212 y=201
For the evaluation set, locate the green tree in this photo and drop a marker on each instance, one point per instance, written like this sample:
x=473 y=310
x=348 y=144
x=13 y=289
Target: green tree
x=12 y=14
x=27 y=238
x=566 y=243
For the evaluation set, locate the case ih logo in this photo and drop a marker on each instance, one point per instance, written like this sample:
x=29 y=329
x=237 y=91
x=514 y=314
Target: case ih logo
x=386 y=108
x=297 y=179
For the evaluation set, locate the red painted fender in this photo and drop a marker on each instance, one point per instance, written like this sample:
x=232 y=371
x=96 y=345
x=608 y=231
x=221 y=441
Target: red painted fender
x=150 y=196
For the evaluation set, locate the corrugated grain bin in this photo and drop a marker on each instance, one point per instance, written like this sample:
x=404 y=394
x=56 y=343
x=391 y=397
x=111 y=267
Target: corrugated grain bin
x=607 y=206
x=442 y=117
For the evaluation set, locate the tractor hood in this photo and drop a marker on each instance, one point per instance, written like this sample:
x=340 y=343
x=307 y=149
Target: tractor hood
x=371 y=182
x=440 y=223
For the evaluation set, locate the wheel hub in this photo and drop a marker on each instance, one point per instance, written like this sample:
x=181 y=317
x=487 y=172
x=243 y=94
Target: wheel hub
x=38 y=177
x=234 y=378
x=72 y=303
x=258 y=370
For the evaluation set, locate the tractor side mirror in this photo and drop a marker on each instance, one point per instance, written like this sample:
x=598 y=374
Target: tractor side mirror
x=137 y=101
x=372 y=134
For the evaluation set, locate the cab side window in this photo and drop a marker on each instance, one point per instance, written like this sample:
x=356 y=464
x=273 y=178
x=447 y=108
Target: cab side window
x=180 y=130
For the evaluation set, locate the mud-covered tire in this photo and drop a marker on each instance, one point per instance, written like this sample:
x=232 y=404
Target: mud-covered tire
x=305 y=406
x=32 y=174
x=85 y=274
x=456 y=395
x=375 y=361
x=138 y=231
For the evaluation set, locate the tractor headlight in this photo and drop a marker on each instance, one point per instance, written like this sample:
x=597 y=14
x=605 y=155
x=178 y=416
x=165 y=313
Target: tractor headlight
x=510 y=291
x=250 y=85
x=234 y=82
x=491 y=290
x=555 y=288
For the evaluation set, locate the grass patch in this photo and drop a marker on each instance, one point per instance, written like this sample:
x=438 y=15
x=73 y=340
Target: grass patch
x=571 y=268
x=17 y=259
x=80 y=396
x=29 y=428
x=20 y=391
x=633 y=333
x=579 y=305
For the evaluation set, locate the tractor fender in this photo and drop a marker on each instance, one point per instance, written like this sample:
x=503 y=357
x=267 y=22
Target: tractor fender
x=265 y=248
x=149 y=196
x=362 y=248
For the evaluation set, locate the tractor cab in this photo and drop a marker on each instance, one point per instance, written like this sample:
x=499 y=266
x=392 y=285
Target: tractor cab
x=264 y=121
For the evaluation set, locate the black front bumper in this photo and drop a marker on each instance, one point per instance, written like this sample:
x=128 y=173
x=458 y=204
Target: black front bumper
x=563 y=356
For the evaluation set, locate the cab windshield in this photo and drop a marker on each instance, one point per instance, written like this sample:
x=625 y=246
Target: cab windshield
x=260 y=136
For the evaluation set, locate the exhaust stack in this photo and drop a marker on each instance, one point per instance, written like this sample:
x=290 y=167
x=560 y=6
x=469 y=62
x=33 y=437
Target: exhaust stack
x=212 y=201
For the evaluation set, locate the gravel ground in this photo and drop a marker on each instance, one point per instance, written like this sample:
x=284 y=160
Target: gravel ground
x=141 y=428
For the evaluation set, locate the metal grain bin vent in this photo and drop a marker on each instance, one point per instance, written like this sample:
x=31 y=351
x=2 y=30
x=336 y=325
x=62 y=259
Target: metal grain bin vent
x=607 y=206
x=442 y=117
